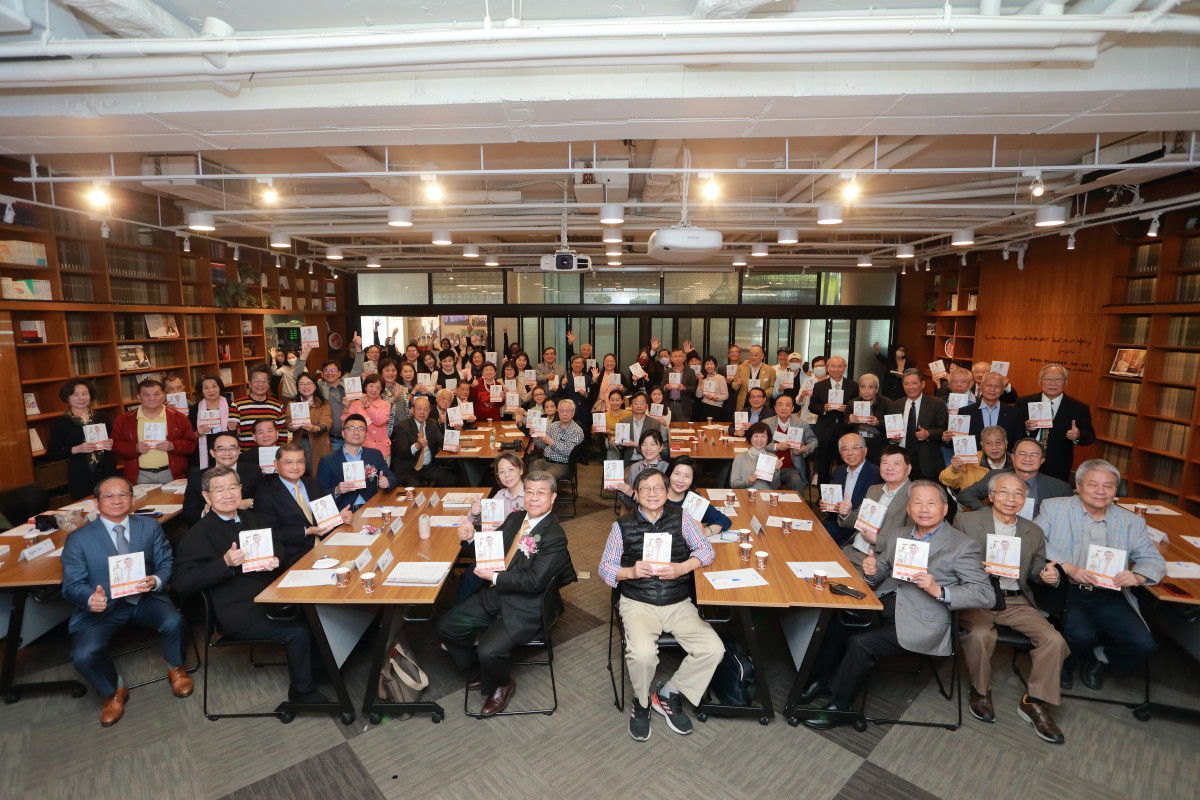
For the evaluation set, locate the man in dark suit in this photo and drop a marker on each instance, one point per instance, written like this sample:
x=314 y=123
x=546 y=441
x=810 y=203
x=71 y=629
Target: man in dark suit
x=210 y=558
x=225 y=450
x=85 y=564
x=1072 y=422
x=415 y=443
x=266 y=438
x=679 y=396
x=916 y=615
x=855 y=476
x=830 y=420
x=1020 y=612
x=332 y=477
x=507 y=611
x=991 y=411
x=285 y=504
x=1027 y=459
x=979 y=369
x=925 y=420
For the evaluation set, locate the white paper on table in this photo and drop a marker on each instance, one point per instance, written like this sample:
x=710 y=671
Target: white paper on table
x=461 y=499
x=778 y=522
x=125 y=573
x=831 y=496
x=298 y=578
x=894 y=424
x=1103 y=563
x=257 y=547
x=720 y=494
x=350 y=539
x=1000 y=367
x=22 y=529
x=910 y=559
x=1183 y=569
x=614 y=473
x=764 y=469
x=353 y=388
x=804 y=569
x=735 y=578
x=176 y=486
x=1151 y=509
x=418 y=573
x=959 y=424
x=965 y=448
x=165 y=509
x=695 y=506
x=1003 y=556
x=377 y=511
x=789 y=497
x=325 y=512
x=957 y=400
x=444 y=522
x=1194 y=541
x=154 y=432
x=491 y=514
x=1040 y=415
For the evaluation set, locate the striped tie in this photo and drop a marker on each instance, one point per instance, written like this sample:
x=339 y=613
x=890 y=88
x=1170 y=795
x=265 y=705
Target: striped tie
x=303 y=505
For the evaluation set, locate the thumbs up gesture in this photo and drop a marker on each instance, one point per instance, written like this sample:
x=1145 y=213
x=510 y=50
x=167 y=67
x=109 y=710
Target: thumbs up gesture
x=234 y=556
x=98 y=601
x=922 y=434
x=869 y=564
x=466 y=531
x=1073 y=433
x=1049 y=574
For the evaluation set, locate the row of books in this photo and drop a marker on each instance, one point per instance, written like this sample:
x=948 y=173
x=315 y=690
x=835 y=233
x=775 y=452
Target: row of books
x=1116 y=455
x=129 y=384
x=973 y=301
x=87 y=359
x=1164 y=471
x=197 y=351
x=1141 y=290
x=78 y=289
x=1184 y=332
x=1169 y=437
x=189 y=269
x=1145 y=257
x=83 y=328
x=74 y=255
x=1175 y=402
x=193 y=326
x=1125 y=395
x=1189 y=255
x=133 y=233
x=136 y=293
x=136 y=263
x=1120 y=427
x=191 y=295
x=1188 y=289
x=1133 y=330
x=1180 y=367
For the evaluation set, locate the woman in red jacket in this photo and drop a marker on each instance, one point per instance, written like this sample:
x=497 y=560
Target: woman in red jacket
x=157 y=455
x=481 y=395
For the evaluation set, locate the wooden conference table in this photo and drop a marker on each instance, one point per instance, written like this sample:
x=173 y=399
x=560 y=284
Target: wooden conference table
x=477 y=449
x=705 y=442
x=805 y=610
x=46 y=571
x=346 y=612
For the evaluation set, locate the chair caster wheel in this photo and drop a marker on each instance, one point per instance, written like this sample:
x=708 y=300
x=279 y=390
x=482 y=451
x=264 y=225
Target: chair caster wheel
x=860 y=725
x=212 y=717
x=287 y=716
x=436 y=718
x=702 y=716
x=79 y=691
x=794 y=722
x=764 y=720
x=376 y=719
x=347 y=718
x=1142 y=714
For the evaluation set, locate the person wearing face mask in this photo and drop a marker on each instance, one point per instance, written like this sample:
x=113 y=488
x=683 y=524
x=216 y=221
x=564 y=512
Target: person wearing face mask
x=831 y=417
x=895 y=364
x=288 y=372
x=652 y=375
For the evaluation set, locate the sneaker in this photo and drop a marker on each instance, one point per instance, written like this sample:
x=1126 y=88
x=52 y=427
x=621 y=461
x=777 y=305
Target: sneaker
x=639 y=721
x=672 y=710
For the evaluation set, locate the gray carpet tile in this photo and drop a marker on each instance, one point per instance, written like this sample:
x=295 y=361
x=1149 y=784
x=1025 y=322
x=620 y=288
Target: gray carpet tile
x=336 y=772
x=872 y=782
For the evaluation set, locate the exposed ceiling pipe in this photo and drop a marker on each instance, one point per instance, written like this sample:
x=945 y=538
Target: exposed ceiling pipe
x=835 y=159
x=665 y=154
x=133 y=18
x=727 y=9
x=356 y=159
x=357 y=200
x=891 y=153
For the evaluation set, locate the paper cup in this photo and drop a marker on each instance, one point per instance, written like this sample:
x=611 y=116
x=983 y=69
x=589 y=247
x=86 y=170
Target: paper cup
x=31 y=538
x=774 y=498
x=760 y=559
x=342 y=574
x=1140 y=509
x=409 y=492
x=368 y=582
x=752 y=494
x=820 y=579
x=744 y=535
x=745 y=549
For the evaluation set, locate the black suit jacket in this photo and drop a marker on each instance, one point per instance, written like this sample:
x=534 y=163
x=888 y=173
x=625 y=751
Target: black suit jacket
x=1060 y=451
x=200 y=564
x=830 y=423
x=193 y=500
x=934 y=417
x=519 y=588
x=277 y=506
x=690 y=381
x=404 y=436
x=1008 y=418
x=866 y=479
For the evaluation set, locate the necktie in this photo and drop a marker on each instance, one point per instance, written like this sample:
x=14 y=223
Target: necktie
x=303 y=505
x=521 y=534
x=910 y=430
x=420 y=455
x=122 y=540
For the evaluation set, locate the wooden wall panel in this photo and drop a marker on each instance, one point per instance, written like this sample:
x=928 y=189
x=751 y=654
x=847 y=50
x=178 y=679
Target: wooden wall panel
x=16 y=459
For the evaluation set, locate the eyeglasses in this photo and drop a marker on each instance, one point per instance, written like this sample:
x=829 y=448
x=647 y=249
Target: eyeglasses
x=225 y=489
x=1009 y=493
x=353 y=428
x=652 y=489
x=115 y=495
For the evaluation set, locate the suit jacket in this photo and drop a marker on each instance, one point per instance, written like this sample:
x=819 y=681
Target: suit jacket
x=201 y=565
x=766 y=378
x=329 y=474
x=1060 y=451
x=193 y=501
x=686 y=395
x=810 y=440
x=830 y=423
x=85 y=565
x=405 y=436
x=1008 y=396
x=923 y=621
x=1064 y=520
x=1007 y=418
x=975 y=496
x=935 y=418
x=980 y=524
x=868 y=477
x=276 y=504
x=648 y=424
x=179 y=432
x=519 y=588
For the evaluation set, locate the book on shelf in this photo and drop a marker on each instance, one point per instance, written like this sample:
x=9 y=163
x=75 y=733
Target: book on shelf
x=29 y=254
x=25 y=289
x=33 y=331
x=31 y=405
x=161 y=326
x=226 y=375
x=130 y=357
x=1129 y=363
x=35 y=441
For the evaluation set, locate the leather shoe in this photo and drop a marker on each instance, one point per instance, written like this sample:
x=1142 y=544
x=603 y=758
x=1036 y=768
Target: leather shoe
x=1037 y=715
x=114 y=707
x=1093 y=674
x=474 y=683
x=816 y=690
x=823 y=722
x=981 y=706
x=181 y=682
x=1066 y=678
x=498 y=699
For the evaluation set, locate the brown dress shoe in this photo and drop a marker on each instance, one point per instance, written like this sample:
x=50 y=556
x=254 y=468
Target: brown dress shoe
x=498 y=699
x=474 y=683
x=181 y=682
x=1038 y=715
x=114 y=707
x=981 y=706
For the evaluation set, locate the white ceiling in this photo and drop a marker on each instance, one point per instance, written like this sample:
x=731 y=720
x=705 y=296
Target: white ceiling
x=906 y=97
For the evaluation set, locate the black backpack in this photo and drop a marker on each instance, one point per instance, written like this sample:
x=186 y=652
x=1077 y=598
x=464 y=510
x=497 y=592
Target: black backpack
x=733 y=681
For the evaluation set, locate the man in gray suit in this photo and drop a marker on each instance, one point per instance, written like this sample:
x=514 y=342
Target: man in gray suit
x=1020 y=612
x=679 y=395
x=894 y=467
x=1027 y=459
x=793 y=471
x=639 y=423
x=916 y=615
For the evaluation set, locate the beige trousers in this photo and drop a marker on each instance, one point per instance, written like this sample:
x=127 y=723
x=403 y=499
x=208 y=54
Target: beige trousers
x=643 y=625
x=978 y=642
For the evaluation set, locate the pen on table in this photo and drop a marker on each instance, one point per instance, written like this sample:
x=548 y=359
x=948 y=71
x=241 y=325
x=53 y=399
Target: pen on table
x=422 y=555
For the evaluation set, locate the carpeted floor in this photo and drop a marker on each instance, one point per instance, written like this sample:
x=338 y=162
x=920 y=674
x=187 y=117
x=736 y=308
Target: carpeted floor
x=53 y=747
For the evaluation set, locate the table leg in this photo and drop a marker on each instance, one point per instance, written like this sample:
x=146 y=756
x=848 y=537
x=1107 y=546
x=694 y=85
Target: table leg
x=375 y=708
x=343 y=706
x=762 y=707
x=12 y=644
x=804 y=671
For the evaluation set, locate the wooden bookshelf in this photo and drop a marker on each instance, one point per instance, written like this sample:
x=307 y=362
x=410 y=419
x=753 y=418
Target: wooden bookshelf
x=1148 y=425
x=950 y=296
x=102 y=288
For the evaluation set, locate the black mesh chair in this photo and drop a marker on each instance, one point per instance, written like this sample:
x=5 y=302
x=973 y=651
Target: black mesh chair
x=568 y=487
x=20 y=503
x=213 y=639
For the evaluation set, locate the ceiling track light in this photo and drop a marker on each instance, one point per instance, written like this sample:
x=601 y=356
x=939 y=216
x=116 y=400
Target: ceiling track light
x=200 y=221
x=334 y=253
x=963 y=238
x=400 y=217
x=929 y=263
x=864 y=260
x=788 y=236
x=310 y=267
x=98 y=194
x=963 y=262
x=850 y=190
x=1050 y=216
x=10 y=214
x=237 y=252
x=612 y=235
x=1153 y=230
x=269 y=194
x=904 y=269
x=1037 y=188
x=905 y=251
x=278 y=262
x=470 y=251
x=281 y=240
x=829 y=214
x=187 y=244
x=442 y=237
x=759 y=249
x=612 y=214
x=1071 y=240
x=711 y=190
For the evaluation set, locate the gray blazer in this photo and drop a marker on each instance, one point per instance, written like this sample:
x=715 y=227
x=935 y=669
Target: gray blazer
x=923 y=621
x=810 y=441
x=742 y=475
x=980 y=524
x=627 y=453
x=974 y=497
x=895 y=516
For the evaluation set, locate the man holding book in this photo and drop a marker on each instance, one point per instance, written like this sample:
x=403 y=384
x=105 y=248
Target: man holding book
x=153 y=439
x=245 y=412
x=1070 y=421
x=353 y=473
x=485 y=627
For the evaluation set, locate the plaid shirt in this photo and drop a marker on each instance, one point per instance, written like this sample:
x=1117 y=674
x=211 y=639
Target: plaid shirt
x=1067 y=523
x=614 y=548
x=566 y=438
